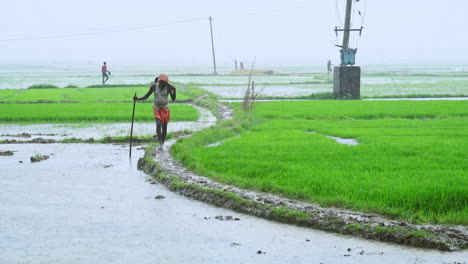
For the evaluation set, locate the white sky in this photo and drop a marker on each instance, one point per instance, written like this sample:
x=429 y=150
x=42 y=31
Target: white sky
x=274 y=31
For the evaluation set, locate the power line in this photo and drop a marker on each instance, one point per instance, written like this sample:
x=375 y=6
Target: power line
x=252 y=12
x=106 y=31
x=337 y=12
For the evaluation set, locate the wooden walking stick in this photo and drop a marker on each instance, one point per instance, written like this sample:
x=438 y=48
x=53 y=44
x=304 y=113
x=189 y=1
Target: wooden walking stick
x=131 y=129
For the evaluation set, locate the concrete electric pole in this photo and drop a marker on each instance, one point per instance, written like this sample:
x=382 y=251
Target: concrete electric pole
x=212 y=48
x=347 y=79
x=347 y=26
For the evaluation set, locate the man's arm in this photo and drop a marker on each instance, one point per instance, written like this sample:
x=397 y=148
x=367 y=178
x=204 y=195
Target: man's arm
x=144 y=97
x=172 y=92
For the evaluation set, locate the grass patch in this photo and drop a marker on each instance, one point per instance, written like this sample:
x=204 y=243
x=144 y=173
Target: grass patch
x=89 y=112
x=112 y=94
x=43 y=86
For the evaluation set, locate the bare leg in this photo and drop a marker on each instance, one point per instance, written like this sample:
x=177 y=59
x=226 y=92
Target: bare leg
x=164 y=132
x=159 y=132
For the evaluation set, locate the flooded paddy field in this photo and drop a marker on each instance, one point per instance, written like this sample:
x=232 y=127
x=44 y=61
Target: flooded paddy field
x=89 y=204
x=29 y=132
x=267 y=91
x=376 y=80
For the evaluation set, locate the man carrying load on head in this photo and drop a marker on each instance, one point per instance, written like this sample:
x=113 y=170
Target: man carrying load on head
x=161 y=89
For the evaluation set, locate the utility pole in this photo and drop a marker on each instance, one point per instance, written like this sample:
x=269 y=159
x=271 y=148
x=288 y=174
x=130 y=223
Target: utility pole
x=212 y=48
x=347 y=79
x=349 y=3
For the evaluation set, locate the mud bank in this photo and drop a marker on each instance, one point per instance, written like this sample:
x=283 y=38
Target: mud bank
x=369 y=226
x=160 y=165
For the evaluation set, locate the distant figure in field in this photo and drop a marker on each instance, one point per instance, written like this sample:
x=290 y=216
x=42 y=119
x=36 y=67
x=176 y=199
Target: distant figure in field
x=161 y=89
x=104 y=71
x=329 y=64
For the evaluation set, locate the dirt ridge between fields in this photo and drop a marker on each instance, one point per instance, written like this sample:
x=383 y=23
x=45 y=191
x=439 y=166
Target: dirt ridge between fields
x=160 y=165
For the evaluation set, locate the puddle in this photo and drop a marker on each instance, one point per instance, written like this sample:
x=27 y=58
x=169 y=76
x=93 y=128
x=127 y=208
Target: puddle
x=344 y=141
x=97 y=131
x=219 y=143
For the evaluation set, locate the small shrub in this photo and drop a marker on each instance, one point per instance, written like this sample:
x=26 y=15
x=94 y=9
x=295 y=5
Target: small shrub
x=43 y=86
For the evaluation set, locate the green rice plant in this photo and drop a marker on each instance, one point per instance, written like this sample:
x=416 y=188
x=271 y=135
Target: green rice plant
x=7 y=93
x=106 y=94
x=89 y=112
x=339 y=109
x=410 y=169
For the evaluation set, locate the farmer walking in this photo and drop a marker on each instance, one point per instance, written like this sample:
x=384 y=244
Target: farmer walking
x=104 y=71
x=161 y=89
x=329 y=64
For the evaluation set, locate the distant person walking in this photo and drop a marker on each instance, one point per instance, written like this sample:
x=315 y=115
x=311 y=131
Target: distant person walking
x=104 y=71
x=329 y=64
x=161 y=89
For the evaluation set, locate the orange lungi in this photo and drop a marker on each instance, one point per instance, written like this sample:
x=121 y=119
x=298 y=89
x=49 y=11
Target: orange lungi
x=162 y=114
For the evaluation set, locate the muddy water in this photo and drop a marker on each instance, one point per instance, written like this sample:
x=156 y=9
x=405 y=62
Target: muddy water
x=97 y=131
x=89 y=204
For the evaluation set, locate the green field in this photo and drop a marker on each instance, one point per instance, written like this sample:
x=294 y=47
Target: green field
x=411 y=163
x=339 y=109
x=89 y=112
x=113 y=94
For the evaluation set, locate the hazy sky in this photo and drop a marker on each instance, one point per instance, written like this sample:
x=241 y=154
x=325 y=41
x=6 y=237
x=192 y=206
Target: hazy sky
x=274 y=31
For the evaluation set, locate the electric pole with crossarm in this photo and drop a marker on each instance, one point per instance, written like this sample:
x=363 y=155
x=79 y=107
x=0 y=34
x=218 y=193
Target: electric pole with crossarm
x=347 y=77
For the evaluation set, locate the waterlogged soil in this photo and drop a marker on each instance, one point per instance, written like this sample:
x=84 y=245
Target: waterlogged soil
x=287 y=91
x=49 y=133
x=89 y=204
x=294 y=90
